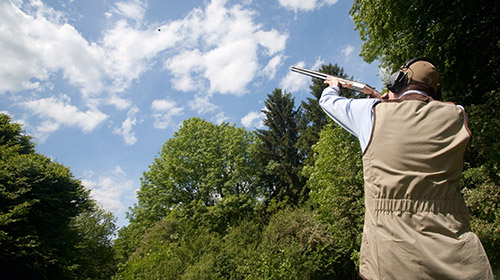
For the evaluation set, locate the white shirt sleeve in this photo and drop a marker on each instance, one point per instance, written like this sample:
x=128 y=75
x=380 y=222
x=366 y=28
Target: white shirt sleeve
x=354 y=115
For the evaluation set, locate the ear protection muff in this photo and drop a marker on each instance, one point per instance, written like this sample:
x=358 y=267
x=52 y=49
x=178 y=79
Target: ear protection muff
x=399 y=80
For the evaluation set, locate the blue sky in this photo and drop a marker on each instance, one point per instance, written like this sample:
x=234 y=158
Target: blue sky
x=102 y=84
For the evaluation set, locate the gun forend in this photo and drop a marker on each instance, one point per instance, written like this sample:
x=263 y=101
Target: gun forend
x=356 y=86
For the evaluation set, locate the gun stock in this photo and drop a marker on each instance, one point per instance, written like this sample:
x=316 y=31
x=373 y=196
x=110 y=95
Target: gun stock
x=356 y=86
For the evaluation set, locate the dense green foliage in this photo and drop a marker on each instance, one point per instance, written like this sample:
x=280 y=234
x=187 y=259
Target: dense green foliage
x=95 y=254
x=205 y=171
x=461 y=37
x=253 y=233
x=48 y=224
x=336 y=182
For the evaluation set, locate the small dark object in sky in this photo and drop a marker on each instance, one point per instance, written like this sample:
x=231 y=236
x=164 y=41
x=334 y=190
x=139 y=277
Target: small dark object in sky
x=159 y=29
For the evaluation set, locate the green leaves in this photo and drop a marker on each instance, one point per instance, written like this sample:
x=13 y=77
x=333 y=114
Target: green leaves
x=202 y=162
x=205 y=172
x=40 y=202
x=336 y=183
x=463 y=43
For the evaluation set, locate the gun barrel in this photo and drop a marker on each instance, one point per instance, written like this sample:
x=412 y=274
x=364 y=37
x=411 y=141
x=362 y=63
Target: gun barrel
x=356 y=86
x=310 y=73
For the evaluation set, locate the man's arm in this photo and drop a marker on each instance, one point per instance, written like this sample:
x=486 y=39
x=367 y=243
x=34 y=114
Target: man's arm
x=354 y=115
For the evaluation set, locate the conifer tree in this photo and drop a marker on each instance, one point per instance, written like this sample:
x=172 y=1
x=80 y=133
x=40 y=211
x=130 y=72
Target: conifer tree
x=278 y=152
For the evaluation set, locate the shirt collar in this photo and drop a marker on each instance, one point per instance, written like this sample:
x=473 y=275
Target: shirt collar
x=413 y=91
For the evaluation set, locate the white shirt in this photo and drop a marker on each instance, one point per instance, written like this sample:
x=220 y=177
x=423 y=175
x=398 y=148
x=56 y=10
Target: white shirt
x=354 y=115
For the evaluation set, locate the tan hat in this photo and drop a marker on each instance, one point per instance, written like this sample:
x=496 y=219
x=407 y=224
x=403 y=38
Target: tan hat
x=423 y=72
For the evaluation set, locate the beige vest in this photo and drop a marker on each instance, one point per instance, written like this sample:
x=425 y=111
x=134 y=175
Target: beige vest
x=416 y=221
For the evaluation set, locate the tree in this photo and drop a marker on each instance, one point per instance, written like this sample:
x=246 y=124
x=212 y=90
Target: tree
x=295 y=245
x=336 y=183
x=12 y=138
x=95 y=255
x=38 y=200
x=278 y=152
x=201 y=165
x=460 y=36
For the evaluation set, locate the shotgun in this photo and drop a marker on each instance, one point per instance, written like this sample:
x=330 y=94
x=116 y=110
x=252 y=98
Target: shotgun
x=356 y=86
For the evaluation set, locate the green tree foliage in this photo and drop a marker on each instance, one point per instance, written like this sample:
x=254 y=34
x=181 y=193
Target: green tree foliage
x=39 y=204
x=12 y=139
x=202 y=162
x=205 y=172
x=278 y=152
x=484 y=204
x=484 y=122
x=462 y=37
x=296 y=245
x=336 y=183
x=95 y=255
x=173 y=249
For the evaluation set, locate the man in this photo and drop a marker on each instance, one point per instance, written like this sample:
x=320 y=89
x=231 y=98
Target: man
x=416 y=221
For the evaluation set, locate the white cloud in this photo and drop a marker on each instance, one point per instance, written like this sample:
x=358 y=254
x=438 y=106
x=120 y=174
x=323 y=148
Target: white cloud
x=40 y=43
x=164 y=112
x=294 y=82
x=272 y=40
x=253 y=120
x=272 y=66
x=306 y=5
x=129 y=51
x=347 y=51
x=126 y=129
x=202 y=105
x=58 y=111
x=230 y=67
x=319 y=61
x=182 y=65
x=118 y=102
x=134 y=9
x=219 y=118
x=216 y=48
x=227 y=56
x=110 y=189
x=210 y=44
x=44 y=129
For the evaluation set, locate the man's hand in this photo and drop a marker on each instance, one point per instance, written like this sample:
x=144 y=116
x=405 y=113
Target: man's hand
x=371 y=92
x=332 y=82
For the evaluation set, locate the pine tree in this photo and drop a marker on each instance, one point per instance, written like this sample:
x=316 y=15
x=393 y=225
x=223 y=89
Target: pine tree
x=278 y=152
